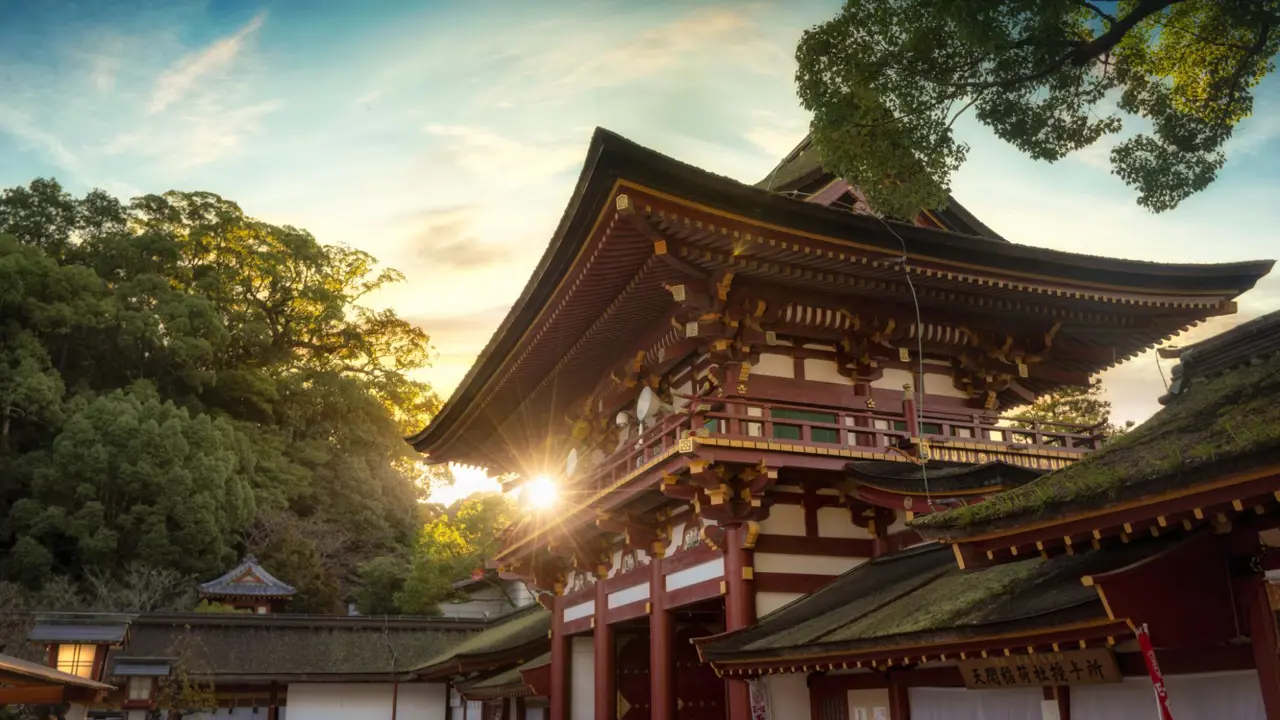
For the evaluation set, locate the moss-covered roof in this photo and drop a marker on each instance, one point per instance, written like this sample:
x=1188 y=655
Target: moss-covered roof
x=520 y=630
x=920 y=597
x=1223 y=424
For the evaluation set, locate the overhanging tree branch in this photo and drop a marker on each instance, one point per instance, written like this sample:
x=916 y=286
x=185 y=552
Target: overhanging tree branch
x=1081 y=54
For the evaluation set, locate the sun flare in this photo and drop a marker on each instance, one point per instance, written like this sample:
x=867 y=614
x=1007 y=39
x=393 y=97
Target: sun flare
x=539 y=493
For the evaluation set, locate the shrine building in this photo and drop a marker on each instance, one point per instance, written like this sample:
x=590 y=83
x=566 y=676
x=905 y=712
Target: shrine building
x=776 y=422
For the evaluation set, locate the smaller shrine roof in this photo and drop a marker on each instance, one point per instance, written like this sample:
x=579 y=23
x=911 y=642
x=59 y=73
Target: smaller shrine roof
x=519 y=632
x=1227 y=421
x=938 y=477
x=914 y=601
x=248 y=579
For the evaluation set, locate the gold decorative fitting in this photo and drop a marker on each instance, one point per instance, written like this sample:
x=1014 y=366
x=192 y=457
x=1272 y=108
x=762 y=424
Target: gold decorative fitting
x=623 y=203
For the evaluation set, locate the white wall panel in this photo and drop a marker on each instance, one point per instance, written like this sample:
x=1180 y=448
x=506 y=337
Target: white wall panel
x=365 y=701
x=582 y=680
x=696 y=574
x=775 y=365
x=835 y=522
x=635 y=593
x=809 y=564
x=962 y=704
x=788 y=696
x=579 y=611
x=767 y=602
x=784 y=520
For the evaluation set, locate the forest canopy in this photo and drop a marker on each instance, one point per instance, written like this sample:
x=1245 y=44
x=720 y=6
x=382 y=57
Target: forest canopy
x=181 y=383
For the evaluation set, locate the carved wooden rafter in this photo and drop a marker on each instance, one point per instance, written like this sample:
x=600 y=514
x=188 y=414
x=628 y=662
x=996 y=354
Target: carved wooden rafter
x=726 y=494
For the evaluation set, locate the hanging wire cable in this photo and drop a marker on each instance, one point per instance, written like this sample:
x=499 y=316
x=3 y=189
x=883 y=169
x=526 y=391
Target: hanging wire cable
x=915 y=300
x=1160 y=367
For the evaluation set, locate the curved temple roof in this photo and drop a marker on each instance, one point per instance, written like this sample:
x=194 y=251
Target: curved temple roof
x=248 y=579
x=597 y=284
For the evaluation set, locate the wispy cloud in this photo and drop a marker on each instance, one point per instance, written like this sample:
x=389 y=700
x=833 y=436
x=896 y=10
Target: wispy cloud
x=18 y=124
x=178 y=79
x=500 y=157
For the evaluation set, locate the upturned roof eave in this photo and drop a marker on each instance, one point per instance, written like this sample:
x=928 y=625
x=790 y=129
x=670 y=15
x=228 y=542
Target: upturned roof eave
x=611 y=158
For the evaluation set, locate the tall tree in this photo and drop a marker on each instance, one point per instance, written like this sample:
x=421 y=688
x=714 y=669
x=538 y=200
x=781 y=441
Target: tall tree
x=176 y=376
x=887 y=79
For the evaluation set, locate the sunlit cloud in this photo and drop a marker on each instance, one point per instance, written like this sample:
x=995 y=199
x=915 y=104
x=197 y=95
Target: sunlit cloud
x=175 y=82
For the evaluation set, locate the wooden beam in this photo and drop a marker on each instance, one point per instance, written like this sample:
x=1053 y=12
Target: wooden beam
x=31 y=695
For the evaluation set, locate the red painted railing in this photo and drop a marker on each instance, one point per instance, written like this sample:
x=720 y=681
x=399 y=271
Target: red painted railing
x=817 y=426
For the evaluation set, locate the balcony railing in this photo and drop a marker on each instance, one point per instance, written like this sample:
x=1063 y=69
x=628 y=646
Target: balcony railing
x=814 y=426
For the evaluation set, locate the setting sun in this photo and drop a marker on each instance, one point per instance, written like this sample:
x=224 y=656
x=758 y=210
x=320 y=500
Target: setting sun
x=539 y=493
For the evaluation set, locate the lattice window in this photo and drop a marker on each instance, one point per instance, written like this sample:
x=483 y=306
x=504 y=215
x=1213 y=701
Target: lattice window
x=77 y=659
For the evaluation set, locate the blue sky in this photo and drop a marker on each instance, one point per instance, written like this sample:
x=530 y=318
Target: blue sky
x=444 y=137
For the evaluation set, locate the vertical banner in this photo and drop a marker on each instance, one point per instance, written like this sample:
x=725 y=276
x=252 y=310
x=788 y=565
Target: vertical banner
x=1153 y=669
x=759 y=699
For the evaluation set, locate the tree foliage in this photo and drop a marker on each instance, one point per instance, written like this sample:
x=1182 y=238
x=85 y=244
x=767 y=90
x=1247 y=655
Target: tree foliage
x=887 y=79
x=453 y=545
x=1073 y=405
x=180 y=383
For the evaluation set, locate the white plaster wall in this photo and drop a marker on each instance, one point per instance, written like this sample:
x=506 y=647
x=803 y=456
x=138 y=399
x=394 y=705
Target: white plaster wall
x=696 y=574
x=365 y=701
x=788 y=696
x=865 y=704
x=581 y=610
x=767 y=602
x=808 y=564
x=784 y=520
x=836 y=523
x=582 y=680
x=933 y=703
x=635 y=593
x=934 y=383
x=1209 y=696
x=775 y=365
x=822 y=370
x=535 y=713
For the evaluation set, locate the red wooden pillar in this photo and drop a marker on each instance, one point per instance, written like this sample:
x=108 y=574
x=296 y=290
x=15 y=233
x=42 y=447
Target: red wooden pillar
x=560 y=658
x=740 y=610
x=605 y=654
x=1266 y=649
x=899 y=700
x=662 y=688
x=1060 y=695
x=520 y=711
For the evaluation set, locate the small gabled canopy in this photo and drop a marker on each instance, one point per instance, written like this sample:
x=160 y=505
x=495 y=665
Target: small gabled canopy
x=247 y=580
x=522 y=635
x=1221 y=427
x=85 y=628
x=122 y=666
x=918 y=604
